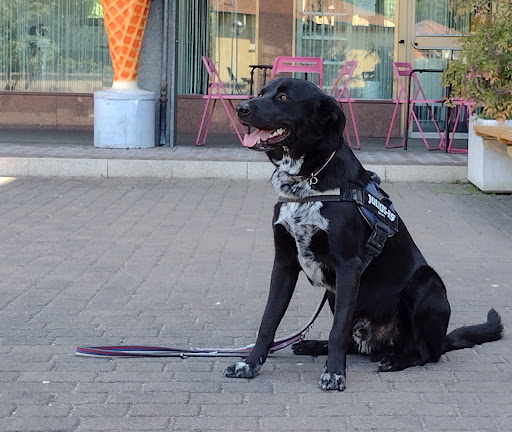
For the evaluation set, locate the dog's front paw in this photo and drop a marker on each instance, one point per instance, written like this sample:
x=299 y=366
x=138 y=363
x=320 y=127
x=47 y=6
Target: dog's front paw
x=332 y=381
x=240 y=370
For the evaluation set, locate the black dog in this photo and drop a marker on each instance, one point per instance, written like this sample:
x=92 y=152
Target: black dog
x=387 y=302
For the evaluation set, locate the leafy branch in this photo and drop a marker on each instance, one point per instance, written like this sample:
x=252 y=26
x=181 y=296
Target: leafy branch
x=483 y=72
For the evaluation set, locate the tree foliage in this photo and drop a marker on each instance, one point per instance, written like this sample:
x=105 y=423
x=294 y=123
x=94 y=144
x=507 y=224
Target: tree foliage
x=483 y=71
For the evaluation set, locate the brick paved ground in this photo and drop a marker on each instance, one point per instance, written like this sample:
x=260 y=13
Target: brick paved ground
x=186 y=263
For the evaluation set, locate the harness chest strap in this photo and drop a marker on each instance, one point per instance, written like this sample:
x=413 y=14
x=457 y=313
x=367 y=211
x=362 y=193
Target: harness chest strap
x=374 y=206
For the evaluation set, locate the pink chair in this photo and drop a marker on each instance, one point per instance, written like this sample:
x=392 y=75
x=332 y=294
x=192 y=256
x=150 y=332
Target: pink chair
x=298 y=64
x=403 y=71
x=460 y=106
x=341 y=94
x=217 y=92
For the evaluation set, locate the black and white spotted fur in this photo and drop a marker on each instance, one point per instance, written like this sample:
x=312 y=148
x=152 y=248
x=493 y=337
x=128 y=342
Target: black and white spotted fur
x=301 y=220
x=396 y=310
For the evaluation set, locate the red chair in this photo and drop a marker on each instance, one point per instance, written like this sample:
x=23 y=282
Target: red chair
x=298 y=64
x=341 y=94
x=217 y=92
x=403 y=71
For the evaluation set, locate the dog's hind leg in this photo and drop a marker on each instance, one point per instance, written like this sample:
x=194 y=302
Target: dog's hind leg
x=315 y=348
x=423 y=321
x=312 y=347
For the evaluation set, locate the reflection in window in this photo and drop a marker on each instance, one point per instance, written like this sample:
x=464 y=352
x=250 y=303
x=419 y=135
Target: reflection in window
x=434 y=18
x=361 y=30
x=224 y=30
x=233 y=41
x=193 y=39
x=53 y=46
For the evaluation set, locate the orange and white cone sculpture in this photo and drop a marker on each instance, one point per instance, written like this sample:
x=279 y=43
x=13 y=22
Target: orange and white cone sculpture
x=125 y=21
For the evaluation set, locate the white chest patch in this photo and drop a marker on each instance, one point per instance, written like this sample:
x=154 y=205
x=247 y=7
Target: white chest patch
x=301 y=220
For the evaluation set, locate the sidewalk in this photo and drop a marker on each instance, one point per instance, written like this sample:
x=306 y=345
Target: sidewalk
x=186 y=262
x=68 y=153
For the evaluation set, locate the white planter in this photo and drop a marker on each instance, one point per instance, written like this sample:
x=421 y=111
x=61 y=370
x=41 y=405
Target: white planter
x=489 y=165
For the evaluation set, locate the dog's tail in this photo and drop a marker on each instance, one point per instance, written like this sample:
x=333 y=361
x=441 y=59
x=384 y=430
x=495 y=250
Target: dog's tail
x=468 y=336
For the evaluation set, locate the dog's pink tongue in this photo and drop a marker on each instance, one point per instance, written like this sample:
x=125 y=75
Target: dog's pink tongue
x=250 y=140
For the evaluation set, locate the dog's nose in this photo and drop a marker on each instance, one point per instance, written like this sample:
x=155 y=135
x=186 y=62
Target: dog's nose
x=243 y=109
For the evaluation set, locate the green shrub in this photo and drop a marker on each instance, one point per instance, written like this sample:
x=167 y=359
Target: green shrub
x=483 y=70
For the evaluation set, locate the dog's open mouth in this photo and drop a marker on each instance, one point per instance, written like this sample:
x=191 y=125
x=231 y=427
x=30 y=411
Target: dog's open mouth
x=262 y=139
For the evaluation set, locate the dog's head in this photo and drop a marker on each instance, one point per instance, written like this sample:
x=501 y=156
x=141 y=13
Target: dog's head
x=292 y=114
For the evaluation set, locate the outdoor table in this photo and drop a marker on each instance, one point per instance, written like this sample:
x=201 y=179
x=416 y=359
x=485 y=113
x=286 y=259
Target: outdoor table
x=265 y=68
x=407 y=120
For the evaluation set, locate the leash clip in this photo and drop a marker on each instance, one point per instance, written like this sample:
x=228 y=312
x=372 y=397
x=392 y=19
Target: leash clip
x=313 y=180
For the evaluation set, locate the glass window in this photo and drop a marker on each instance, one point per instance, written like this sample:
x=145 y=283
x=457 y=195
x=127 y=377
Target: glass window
x=53 y=46
x=361 y=30
x=223 y=30
x=433 y=18
x=193 y=40
x=233 y=41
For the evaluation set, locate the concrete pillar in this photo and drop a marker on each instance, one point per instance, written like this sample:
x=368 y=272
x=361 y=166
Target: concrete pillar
x=124 y=116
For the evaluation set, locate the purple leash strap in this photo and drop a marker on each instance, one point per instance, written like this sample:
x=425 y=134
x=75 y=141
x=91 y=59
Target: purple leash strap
x=154 y=351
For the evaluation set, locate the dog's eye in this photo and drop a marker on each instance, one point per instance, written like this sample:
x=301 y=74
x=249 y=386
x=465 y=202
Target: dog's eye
x=282 y=97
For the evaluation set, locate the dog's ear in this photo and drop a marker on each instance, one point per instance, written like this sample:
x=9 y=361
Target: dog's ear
x=331 y=115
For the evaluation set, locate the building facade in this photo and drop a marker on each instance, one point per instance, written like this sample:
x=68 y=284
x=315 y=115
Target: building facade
x=54 y=53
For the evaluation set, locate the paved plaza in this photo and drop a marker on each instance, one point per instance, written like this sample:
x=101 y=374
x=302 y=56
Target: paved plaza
x=186 y=262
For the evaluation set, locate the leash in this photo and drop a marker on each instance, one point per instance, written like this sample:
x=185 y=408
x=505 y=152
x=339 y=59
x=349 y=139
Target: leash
x=154 y=351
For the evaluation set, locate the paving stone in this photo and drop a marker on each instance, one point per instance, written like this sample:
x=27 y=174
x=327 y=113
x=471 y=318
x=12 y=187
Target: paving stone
x=105 y=423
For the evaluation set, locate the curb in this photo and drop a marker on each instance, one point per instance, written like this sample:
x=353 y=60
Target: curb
x=235 y=170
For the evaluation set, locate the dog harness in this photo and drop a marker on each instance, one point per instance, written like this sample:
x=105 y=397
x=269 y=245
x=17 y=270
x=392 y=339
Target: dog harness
x=375 y=207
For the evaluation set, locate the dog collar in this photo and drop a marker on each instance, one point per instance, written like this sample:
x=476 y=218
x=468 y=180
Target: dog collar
x=313 y=179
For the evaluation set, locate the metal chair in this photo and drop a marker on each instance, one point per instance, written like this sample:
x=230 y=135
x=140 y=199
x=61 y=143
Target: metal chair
x=297 y=65
x=341 y=94
x=216 y=92
x=402 y=71
x=234 y=82
x=460 y=106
